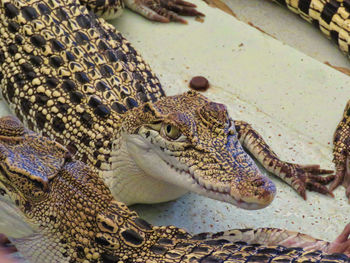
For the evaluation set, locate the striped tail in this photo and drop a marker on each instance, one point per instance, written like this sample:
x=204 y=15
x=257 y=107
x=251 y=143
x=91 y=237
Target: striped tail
x=332 y=17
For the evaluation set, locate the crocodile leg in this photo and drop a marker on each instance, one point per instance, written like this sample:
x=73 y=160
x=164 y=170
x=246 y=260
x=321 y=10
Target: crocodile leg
x=341 y=244
x=300 y=177
x=341 y=144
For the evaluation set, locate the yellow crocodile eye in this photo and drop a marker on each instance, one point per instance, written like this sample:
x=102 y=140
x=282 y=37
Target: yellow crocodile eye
x=171 y=131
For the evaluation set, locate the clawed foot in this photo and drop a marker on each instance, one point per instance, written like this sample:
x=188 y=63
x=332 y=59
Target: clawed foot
x=5 y=245
x=342 y=177
x=341 y=154
x=307 y=177
x=164 y=10
x=341 y=244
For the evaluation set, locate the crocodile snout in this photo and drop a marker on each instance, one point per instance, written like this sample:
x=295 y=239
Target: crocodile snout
x=255 y=193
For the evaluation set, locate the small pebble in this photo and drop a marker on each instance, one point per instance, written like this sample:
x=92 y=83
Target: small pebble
x=199 y=83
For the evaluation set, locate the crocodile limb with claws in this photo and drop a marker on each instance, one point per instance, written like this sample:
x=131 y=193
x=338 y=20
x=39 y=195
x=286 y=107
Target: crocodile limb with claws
x=333 y=19
x=71 y=76
x=77 y=219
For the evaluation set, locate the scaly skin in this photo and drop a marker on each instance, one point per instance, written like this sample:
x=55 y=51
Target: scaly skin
x=333 y=19
x=73 y=77
x=78 y=220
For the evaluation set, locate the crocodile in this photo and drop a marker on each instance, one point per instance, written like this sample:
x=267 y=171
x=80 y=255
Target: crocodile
x=76 y=218
x=67 y=73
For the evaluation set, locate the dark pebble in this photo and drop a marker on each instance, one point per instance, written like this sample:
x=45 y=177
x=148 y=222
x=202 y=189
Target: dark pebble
x=199 y=83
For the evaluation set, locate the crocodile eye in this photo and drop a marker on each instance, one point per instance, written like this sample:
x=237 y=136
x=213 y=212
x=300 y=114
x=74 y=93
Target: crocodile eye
x=170 y=131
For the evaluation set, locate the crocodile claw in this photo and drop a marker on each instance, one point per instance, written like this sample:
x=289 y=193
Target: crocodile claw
x=164 y=10
x=342 y=177
x=307 y=177
x=341 y=244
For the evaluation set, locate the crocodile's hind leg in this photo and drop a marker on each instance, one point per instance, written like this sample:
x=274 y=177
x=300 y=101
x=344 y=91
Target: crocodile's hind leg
x=341 y=152
x=156 y=10
x=300 y=177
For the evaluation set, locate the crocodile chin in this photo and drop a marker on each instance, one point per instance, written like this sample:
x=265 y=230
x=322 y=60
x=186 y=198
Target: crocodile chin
x=155 y=162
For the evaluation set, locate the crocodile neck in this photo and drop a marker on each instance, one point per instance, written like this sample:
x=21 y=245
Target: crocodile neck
x=130 y=184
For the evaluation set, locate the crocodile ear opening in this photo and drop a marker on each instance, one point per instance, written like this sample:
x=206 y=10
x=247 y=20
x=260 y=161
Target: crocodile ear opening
x=11 y=127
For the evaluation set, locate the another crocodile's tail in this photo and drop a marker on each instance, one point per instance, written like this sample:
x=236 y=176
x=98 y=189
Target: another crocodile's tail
x=332 y=17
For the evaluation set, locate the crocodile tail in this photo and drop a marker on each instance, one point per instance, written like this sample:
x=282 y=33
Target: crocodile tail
x=332 y=17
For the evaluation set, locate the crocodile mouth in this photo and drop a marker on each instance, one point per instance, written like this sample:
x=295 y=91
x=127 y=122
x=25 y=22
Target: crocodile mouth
x=160 y=164
x=220 y=193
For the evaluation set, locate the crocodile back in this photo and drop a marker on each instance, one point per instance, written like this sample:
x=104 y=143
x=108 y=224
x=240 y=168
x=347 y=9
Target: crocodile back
x=70 y=75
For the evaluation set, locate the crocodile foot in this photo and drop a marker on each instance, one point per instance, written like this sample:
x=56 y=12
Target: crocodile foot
x=341 y=244
x=164 y=10
x=5 y=246
x=307 y=177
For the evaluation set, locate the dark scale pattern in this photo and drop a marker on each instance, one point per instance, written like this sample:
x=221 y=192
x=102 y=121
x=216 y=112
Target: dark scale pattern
x=63 y=55
x=346 y=4
x=304 y=6
x=331 y=16
x=330 y=9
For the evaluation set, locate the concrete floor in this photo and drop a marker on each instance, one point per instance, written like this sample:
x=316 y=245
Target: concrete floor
x=288 y=28
x=293 y=100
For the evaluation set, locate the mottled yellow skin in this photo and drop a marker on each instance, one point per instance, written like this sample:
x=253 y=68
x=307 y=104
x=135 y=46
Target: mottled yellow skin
x=79 y=221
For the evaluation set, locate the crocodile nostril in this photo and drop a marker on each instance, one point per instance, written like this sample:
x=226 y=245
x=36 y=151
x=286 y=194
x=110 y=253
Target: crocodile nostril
x=258 y=182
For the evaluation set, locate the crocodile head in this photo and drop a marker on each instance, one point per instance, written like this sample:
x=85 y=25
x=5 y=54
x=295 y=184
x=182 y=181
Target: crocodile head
x=191 y=142
x=27 y=162
x=67 y=204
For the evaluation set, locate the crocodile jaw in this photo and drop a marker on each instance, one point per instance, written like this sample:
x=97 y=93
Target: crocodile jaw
x=161 y=166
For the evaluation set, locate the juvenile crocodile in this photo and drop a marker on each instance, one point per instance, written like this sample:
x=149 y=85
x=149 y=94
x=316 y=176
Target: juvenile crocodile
x=71 y=76
x=332 y=17
x=78 y=220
